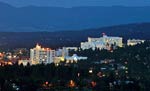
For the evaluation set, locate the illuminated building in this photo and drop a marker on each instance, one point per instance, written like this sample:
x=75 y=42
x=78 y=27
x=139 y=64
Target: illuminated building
x=62 y=52
x=104 y=42
x=132 y=42
x=24 y=62
x=57 y=60
x=40 y=55
x=74 y=58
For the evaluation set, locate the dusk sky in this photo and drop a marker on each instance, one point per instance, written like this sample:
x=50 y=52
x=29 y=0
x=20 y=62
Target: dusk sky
x=72 y=3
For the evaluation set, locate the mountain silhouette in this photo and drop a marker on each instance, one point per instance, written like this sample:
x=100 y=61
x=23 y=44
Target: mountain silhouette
x=33 y=18
x=72 y=38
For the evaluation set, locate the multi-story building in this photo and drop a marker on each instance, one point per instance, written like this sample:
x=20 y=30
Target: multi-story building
x=40 y=55
x=104 y=42
x=65 y=51
x=62 y=52
x=132 y=42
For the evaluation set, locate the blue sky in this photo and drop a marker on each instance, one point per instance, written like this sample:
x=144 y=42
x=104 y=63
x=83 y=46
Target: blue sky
x=72 y=3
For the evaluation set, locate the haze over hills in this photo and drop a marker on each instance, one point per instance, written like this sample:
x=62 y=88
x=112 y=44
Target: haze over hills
x=33 y=18
x=71 y=38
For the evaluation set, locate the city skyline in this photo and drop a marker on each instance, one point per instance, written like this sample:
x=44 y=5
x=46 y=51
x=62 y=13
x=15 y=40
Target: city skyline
x=61 y=45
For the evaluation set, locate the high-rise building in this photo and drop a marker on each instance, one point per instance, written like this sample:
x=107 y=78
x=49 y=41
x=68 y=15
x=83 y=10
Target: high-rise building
x=40 y=55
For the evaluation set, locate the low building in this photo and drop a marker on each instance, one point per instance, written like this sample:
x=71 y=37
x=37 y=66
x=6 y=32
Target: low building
x=74 y=58
x=132 y=42
x=24 y=62
x=57 y=60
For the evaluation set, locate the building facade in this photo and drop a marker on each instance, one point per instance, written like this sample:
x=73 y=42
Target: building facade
x=62 y=52
x=40 y=55
x=75 y=58
x=132 y=42
x=104 y=42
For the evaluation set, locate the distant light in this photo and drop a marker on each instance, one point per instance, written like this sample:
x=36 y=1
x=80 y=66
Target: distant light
x=117 y=73
x=62 y=59
x=126 y=71
x=75 y=59
x=10 y=63
x=78 y=74
x=104 y=75
x=71 y=83
x=90 y=71
x=126 y=62
x=93 y=83
x=46 y=82
x=57 y=64
x=14 y=56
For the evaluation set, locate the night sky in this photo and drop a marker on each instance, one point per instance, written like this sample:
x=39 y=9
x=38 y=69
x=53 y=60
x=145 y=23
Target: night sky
x=73 y=3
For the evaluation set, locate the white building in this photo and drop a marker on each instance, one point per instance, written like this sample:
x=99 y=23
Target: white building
x=87 y=45
x=74 y=58
x=24 y=62
x=132 y=42
x=62 y=52
x=65 y=51
x=104 y=42
x=40 y=55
